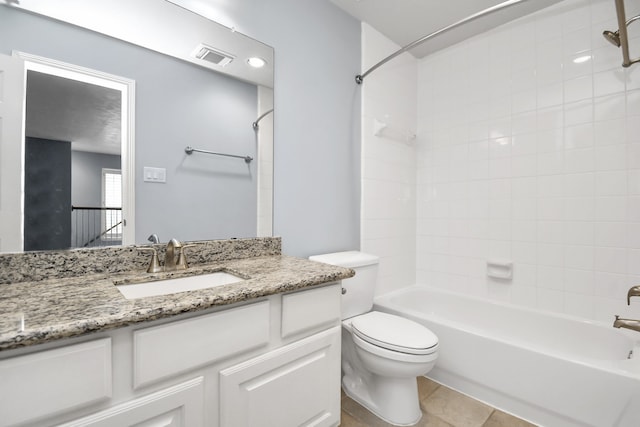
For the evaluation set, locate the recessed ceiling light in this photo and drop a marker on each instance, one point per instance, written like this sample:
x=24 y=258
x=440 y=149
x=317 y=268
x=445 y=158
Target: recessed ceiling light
x=256 y=62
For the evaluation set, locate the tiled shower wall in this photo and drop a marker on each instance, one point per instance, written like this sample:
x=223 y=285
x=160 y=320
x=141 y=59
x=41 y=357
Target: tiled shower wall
x=388 y=211
x=529 y=150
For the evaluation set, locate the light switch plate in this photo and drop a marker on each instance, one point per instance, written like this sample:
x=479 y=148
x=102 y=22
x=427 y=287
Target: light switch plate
x=155 y=174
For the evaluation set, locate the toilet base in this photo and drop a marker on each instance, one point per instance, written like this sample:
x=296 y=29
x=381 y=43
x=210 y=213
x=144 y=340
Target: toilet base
x=396 y=402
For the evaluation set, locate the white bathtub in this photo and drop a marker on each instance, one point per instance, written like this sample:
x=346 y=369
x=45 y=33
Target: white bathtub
x=552 y=370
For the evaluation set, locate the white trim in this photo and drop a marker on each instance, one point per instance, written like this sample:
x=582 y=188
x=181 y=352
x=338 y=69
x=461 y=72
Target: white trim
x=127 y=152
x=103 y=217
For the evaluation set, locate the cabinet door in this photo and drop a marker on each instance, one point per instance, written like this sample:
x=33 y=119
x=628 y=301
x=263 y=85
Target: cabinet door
x=51 y=382
x=177 y=406
x=296 y=385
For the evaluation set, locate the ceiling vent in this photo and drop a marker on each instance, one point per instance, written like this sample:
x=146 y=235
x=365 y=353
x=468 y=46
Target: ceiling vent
x=210 y=54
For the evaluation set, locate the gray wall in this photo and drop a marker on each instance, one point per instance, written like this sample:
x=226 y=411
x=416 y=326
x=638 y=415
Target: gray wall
x=317 y=120
x=86 y=176
x=177 y=104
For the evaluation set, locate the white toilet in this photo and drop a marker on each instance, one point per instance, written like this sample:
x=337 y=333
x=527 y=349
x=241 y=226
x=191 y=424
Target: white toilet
x=382 y=354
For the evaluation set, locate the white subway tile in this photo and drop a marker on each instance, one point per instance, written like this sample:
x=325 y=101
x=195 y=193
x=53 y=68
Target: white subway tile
x=550 y=163
x=524 y=187
x=524 y=252
x=608 y=82
x=579 y=233
x=611 y=285
x=576 y=42
x=611 y=183
x=579 y=305
x=578 y=112
x=611 y=157
x=548 y=95
x=613 y=234
x=609 y=107
x=523 y=166
x=633 y=208
x=579 y=209
x=633 y=156
x=579 y=257
x=580 y=160
x=550 y=232
x=611 y=260
x=550 y=186
x=550 y=118
x=578 y=65
x=579 y=136
x=634 y=262
x=550 y=209
x=550 y=140
x=609 y=132
x=524 y=208
x=550 y=300
x=605 y=58
x=579 y=184
x=524 y=101
x=611 y=208
x=550 y=278
x=579 y=281
x=578 y=89
x=524 y=143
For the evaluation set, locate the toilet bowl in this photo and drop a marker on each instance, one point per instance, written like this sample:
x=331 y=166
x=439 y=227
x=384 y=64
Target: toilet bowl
x=379 y=370
x=382 y=354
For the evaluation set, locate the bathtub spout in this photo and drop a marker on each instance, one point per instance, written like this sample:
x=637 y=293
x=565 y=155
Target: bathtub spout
x=627 y=323
x=633 y=292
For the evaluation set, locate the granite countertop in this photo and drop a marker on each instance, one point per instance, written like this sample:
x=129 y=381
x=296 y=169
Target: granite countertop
x=35 y=312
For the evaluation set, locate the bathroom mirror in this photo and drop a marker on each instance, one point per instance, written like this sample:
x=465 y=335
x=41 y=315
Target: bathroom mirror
x=181 y=100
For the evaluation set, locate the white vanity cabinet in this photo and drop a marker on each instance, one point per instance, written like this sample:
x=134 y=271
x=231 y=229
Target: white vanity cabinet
x=271 y=362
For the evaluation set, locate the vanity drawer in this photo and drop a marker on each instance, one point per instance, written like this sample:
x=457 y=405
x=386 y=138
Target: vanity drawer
x=166 y=350
x=311 y=310
x=54 y=381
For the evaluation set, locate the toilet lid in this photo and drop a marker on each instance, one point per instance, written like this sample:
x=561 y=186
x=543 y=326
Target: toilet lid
x=394 y=333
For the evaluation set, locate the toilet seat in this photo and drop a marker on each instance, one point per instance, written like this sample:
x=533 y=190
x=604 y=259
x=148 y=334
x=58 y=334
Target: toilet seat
x=394 y=333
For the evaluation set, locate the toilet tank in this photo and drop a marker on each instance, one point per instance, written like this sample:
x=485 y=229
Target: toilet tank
x=357 y=297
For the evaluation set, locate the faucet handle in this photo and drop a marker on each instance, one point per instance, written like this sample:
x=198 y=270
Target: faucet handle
x=182 y=257
x=154 y=265
x=634 y=291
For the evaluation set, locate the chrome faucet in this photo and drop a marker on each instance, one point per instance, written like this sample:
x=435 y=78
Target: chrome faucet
x=170 y=255
x=633 y=292
x=627 y=323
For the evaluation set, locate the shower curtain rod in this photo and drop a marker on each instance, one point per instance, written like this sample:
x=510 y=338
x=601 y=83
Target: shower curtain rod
x=623 y=37
x=487 y=11
x=255 y=124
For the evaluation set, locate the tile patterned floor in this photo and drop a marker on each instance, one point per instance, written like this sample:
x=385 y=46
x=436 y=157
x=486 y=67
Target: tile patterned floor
x=441 y=407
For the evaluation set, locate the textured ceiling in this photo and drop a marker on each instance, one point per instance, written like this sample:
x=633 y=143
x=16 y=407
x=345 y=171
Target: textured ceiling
x=404 y=21
x=68 y=110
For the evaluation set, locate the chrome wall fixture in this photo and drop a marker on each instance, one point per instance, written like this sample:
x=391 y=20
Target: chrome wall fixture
x=487 y=11
x=189 y=150
x=620 y=37
x=255 y=124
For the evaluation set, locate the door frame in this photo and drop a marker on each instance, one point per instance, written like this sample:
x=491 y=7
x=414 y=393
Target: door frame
x=127 y=149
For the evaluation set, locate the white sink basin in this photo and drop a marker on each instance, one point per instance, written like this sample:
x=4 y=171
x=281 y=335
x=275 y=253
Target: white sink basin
x=181 y=284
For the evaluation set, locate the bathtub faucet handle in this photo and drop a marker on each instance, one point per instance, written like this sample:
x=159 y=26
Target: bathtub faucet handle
x=633 y=292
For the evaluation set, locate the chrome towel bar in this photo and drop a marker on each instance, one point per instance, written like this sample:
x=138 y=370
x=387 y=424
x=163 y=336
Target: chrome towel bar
x=189 y=150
